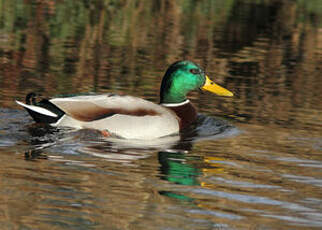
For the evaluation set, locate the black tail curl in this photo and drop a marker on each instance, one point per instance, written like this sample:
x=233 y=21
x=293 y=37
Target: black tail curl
x=37 y=100
x=31 y=98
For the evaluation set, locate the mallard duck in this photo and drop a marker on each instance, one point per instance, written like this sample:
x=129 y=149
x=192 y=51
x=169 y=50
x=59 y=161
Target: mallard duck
x=127 y=116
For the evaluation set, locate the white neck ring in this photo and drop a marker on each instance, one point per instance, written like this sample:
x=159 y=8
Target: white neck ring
x=175 y=104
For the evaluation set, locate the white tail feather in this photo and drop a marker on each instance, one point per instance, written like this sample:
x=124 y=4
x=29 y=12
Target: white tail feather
x=37 y=109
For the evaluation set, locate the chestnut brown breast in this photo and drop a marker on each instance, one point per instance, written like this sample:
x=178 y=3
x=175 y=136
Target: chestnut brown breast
x=186 y=113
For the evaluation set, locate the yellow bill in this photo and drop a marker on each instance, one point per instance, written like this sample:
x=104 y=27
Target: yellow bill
x=216 y=89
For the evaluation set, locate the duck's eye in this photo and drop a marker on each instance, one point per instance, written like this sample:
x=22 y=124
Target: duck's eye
x=194 y=71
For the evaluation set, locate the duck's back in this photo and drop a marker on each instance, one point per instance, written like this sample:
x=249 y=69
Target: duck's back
x=124 y=116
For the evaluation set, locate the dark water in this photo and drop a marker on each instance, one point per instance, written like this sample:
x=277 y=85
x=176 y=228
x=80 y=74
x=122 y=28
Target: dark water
x=261 y=171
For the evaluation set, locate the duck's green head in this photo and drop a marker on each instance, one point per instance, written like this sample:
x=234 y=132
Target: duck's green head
x=183 y=77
